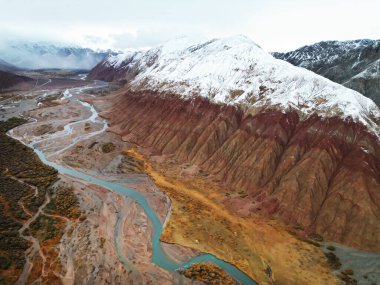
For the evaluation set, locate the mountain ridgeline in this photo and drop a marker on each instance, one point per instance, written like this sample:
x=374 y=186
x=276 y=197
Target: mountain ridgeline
x=303 y=148
x=355 y=64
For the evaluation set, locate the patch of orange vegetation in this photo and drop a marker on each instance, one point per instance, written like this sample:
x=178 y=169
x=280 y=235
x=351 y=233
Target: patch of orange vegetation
x=253 y=244
x=36 y=270
x=208 y=273
x=50 y=251
x=49 y=269
x=6 y=210
x=11 y=274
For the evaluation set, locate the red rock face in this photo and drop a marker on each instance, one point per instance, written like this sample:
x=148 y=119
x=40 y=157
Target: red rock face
x=321 y=174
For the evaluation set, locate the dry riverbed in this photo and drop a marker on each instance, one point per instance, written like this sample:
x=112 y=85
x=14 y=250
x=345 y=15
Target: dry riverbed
x=87 y=252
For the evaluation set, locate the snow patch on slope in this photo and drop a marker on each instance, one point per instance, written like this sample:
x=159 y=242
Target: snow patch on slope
x=372 y=71
x=116 y=60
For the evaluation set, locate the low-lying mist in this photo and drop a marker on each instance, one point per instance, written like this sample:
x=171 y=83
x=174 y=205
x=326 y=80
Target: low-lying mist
x=45 y=56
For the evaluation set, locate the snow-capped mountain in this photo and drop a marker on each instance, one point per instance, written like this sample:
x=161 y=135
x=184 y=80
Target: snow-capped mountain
x=45 y=55
x=302 y=148
x=235 y=71
x=355 y=64
x=116 y=67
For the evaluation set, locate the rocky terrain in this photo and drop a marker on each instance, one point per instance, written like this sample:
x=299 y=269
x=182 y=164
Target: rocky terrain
x=355 y=64
x=312 y=163
x=257 y=162
x=318 y=148
x=115 y=68
x=277 y=141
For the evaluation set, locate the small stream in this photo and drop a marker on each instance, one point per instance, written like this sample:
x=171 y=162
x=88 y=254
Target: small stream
x=158 y=257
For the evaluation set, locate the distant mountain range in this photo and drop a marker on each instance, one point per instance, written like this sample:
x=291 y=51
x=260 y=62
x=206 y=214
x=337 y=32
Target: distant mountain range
x=355 y=64
x=46 y=56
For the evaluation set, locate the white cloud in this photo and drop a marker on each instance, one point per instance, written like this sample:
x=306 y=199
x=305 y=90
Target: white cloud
x=274 y=24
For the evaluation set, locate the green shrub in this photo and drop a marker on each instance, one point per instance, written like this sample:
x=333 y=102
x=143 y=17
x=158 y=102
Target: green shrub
x=108 y=147
x=348 y=271
x=331 y=248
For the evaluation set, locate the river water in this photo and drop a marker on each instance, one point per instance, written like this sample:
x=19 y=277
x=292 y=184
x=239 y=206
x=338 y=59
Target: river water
x=159 y=257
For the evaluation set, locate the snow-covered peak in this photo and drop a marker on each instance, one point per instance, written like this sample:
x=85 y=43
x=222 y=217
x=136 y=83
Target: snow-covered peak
x=183 y=44
x=235 y=70
x=116 y=60
x=179 y=43
x=327 y=52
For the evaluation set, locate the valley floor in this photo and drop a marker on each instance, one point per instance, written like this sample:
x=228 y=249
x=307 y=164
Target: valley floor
x=111 y=241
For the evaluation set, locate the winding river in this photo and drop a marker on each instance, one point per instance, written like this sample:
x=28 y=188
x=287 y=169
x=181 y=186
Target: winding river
x=158 y=257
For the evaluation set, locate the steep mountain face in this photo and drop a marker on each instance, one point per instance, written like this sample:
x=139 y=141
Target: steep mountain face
x=116 y=67
x=8 y=80
x=303 y=148
x=44 y=55
x=355 y=64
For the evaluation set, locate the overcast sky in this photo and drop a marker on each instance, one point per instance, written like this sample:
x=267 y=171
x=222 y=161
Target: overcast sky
x=276 y=25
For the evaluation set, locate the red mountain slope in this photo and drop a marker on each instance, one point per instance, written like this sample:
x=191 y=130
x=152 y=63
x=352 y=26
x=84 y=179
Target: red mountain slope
x=321 y=174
